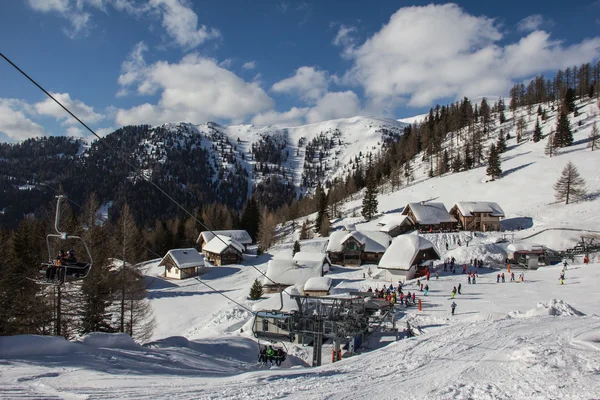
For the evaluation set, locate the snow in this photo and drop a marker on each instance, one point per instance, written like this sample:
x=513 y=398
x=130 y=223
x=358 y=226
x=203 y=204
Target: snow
x=372 y=241
x=428 y=213
x=322 y=283
x=393 y=221
x=109 y=340
x=219 y=243
x=467 y=208
x=280 y=301
x=292 y=272
x=402 y=252
x=521 y=246
x=311 y=256
x=185 y=258
x=535 y=339
x=240 y=236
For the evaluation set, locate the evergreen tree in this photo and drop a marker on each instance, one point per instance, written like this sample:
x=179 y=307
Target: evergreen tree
x=550 y=149
x=563 y=136
x=537 y=133
x=304 y=234
x=456 y=163
x=251 y=218
x=266 y=233
x=501 y=143
x=325 y=226
x=296 y=248
x=468 y=164
x=445 y=162
x=494 y=169
x=321 y=199
x=570 y=185
x=594 y=138
x=370 y=204
x=408 y=172
x=256 y=291
x=539 y=110
x=569 y=100
x=502 y=117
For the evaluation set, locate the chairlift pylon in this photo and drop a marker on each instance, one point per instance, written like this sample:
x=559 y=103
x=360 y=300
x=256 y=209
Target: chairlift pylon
x=63 y=269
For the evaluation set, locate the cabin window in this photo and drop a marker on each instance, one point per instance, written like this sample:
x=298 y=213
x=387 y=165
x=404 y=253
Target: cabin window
x=265 y=325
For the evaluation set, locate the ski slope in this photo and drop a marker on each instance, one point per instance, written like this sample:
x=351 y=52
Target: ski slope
x=535 y=339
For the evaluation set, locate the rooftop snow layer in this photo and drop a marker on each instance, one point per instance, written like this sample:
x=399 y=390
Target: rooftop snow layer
x=321 y=283
x=394 y=221
x=429 y=213
x=240 y=236
x=184 y=258
x=280 y=302
x=467 y=208
x=290 y=272
x=372 y=241
x=219 y=243
x=402 y=252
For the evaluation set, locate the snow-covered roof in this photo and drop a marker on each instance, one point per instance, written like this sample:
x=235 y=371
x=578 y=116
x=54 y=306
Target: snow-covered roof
x=184 y=258
x=429 y=213
x=240 y=236
x=320 y=283
x=402 y=252
x=393 y=222
x=350 y=226
x=467 y=208
x=310 y=256
x=275 y=302
x=373 y=241
x=219 y=243
x=290 y=272
x=523 y=246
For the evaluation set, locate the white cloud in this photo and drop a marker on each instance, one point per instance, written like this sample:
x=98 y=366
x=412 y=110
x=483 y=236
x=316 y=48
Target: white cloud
x=428 y=53
x=75 y=131
x=181 y=23
x=344 y=36
x=84 y=112
x=132 y=67
x=226 y=63
x=294 y=117
x=14 y=123
x=334 y=105
x=196 y=89
x=331 y=106
x=177 y=17
x=531 y=23
x=249 y=65
x=308 y=82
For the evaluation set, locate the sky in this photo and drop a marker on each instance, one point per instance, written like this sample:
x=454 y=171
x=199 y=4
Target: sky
x=122 y=62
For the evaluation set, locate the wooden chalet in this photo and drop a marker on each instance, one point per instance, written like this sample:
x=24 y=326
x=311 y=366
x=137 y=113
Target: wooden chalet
x=183 y=263
x=240 y=236
x=223 y=250
x=408 y=257
x=395 y=224
x=482 y=216
x=430 y=217
x=356 y=248
x=282 y=273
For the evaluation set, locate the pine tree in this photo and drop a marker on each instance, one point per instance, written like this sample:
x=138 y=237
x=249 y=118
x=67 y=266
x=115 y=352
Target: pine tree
x=550 y=149
x=325 y=226
x=304 y=234
x=539 y=110
x=296 y=248
x=502 y=117
x=456 y=163
x=445 y=162
x=321 y=199
x=256 y=291
x=521 y=125
x=569 y=100
x=251 y=218
x=408 y=172
x=594 y=138
x=563 y=136
x=468 y=163
x=570 y=185
x=494 y=169
x=501 y=143
x=370 y=204
x=537 y=133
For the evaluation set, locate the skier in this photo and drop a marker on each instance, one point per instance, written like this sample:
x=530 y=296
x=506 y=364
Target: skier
x=445 y=266
x=421 y=287
x=401 y=298
x=498 y=278
x=452 y=307
x=469 y=279
x=562 y=280
x=437 y=275
x=464 y=268
x=280 y=356
x=426 y=290
x=565 y=265
x=512 y=276
x=446 y=246
x=459 y=286
x=414 y=296
x=473 y=279
x=271 y=354
x=262 y=355
x=458 y=242
x=503 y=278
x=453 y=293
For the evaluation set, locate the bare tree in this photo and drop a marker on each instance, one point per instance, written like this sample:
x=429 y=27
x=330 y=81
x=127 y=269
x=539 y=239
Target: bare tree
x=266 y=231
x=594 y=138
x=570 y=185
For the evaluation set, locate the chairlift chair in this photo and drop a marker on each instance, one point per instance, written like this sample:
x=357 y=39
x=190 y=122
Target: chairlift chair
x=65 y=271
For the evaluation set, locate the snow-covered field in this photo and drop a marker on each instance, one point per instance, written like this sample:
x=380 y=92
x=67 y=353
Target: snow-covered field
x=531 y=340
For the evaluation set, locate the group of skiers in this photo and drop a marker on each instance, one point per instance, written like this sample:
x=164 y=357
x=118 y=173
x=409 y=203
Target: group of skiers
x=271 y=354
x=394 y=295
x=54 y=271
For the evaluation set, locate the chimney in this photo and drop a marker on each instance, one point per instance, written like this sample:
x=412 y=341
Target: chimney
x=422 y=203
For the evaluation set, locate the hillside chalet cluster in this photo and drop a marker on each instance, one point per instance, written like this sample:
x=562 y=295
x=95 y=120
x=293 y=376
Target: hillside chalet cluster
x=403 y=256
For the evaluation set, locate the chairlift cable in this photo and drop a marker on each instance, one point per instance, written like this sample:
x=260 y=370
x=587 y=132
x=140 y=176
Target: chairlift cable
x=136 y=169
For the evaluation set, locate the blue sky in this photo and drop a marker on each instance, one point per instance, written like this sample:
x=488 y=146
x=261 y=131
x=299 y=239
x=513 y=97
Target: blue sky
x=117 y=62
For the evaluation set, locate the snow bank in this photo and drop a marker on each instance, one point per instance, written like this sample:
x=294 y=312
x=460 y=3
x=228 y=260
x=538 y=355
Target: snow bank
x=553 y=307
x=489 y=253
x=110 y=340
x=36 y=345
